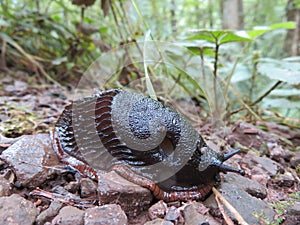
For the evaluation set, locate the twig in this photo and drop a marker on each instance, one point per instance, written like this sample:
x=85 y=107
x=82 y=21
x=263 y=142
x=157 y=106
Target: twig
x=3 y=52
x=259 y=99
x=266 y=93
x=226 y=217
x=61 y=198
x=31 y=59
x=234 y=212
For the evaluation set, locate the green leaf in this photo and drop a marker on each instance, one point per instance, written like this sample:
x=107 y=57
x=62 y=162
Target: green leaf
x=195 y=45
x=280 y=103
x=7 y=38
x=185 y=79
x=70 y=65
x=260 y=30
x=57 y=18
x=280 y=70
x=206 y=51
x=149 y=85
x=257 y=32
x=103 y=30
x=3 y=23
x=59 y=61
x=292 y=59
x=285 y=25
x=285 y=92
x=54 y=34
x=219 y=36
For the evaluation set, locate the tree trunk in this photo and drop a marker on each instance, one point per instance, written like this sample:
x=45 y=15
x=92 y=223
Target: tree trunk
x=173 y=17
x=232 y=14
x=292 y=41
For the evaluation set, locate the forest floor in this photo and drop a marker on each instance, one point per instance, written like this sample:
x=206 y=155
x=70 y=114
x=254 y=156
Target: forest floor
x=34 y=191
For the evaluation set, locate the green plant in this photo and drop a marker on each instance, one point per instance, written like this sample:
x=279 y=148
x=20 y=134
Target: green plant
x=256 y=67
x=281 y=206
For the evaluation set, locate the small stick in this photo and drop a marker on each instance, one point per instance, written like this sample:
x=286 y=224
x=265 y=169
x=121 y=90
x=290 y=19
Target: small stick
x=226 y=217
x=61 y=198
x=235 y=213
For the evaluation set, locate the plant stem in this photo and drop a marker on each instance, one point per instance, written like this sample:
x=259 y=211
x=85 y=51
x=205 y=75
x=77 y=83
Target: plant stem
x=259 y=99
x=215 y=79
x=266 y=93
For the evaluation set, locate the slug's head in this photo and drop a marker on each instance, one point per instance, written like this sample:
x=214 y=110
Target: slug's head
x=211 y=163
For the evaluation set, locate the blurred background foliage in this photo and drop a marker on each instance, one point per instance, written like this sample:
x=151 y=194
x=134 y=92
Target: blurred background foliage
x=248 y=48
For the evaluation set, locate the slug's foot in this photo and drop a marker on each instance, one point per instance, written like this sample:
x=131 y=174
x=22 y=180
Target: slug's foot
x=167 y=196
x=71 y=161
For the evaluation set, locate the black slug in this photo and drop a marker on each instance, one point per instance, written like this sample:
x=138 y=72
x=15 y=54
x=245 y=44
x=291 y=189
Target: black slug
x=140 y=139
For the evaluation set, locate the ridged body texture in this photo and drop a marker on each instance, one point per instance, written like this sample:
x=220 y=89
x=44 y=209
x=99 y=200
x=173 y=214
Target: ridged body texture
x=140 y=139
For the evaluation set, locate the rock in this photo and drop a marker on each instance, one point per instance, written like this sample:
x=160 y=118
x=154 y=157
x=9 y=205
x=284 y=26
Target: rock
x=49 y=213
x=285 y=180
x=60 y=190
x=69 y=215
x=250 y=135
x=295 y=160
x=252 y=187
x=268 y=165
x=244 y=203
x=158 y=221
x=133 y=198
x=72 y=186
x=88 y=188
x=277 y=153
x=5 y=187
x=261 y=179
x=17 y=210
x=111 y=214
x=33 y=159
x=158 y=210
x=173 y=214
x=260 y=165
x=192 y=216
x=294 y=210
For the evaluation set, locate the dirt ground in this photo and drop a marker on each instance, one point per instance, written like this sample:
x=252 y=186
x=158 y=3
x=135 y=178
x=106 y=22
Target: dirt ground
x=29 y=108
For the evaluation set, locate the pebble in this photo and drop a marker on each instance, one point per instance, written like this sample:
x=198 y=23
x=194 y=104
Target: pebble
x=285 y=180
x=243 y=202
x=277 y=153
x=295 y=160
x=69 y=215
x=158 y=210
x=88 y=188
x=249 y=135
x=72 y=186
x=158 y=221
x=192 y=215
x=49 y=213
x=172 y=214
x=133 y=198
x=17 y=210
x=5 y=187
x=294 y=210
x=111 y=214
x=251 y=187
x=32 y=158
x=260 y=165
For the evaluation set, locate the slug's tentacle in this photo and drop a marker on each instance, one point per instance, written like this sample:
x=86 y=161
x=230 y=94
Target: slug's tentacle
x=225 y=168
x=230 y=154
